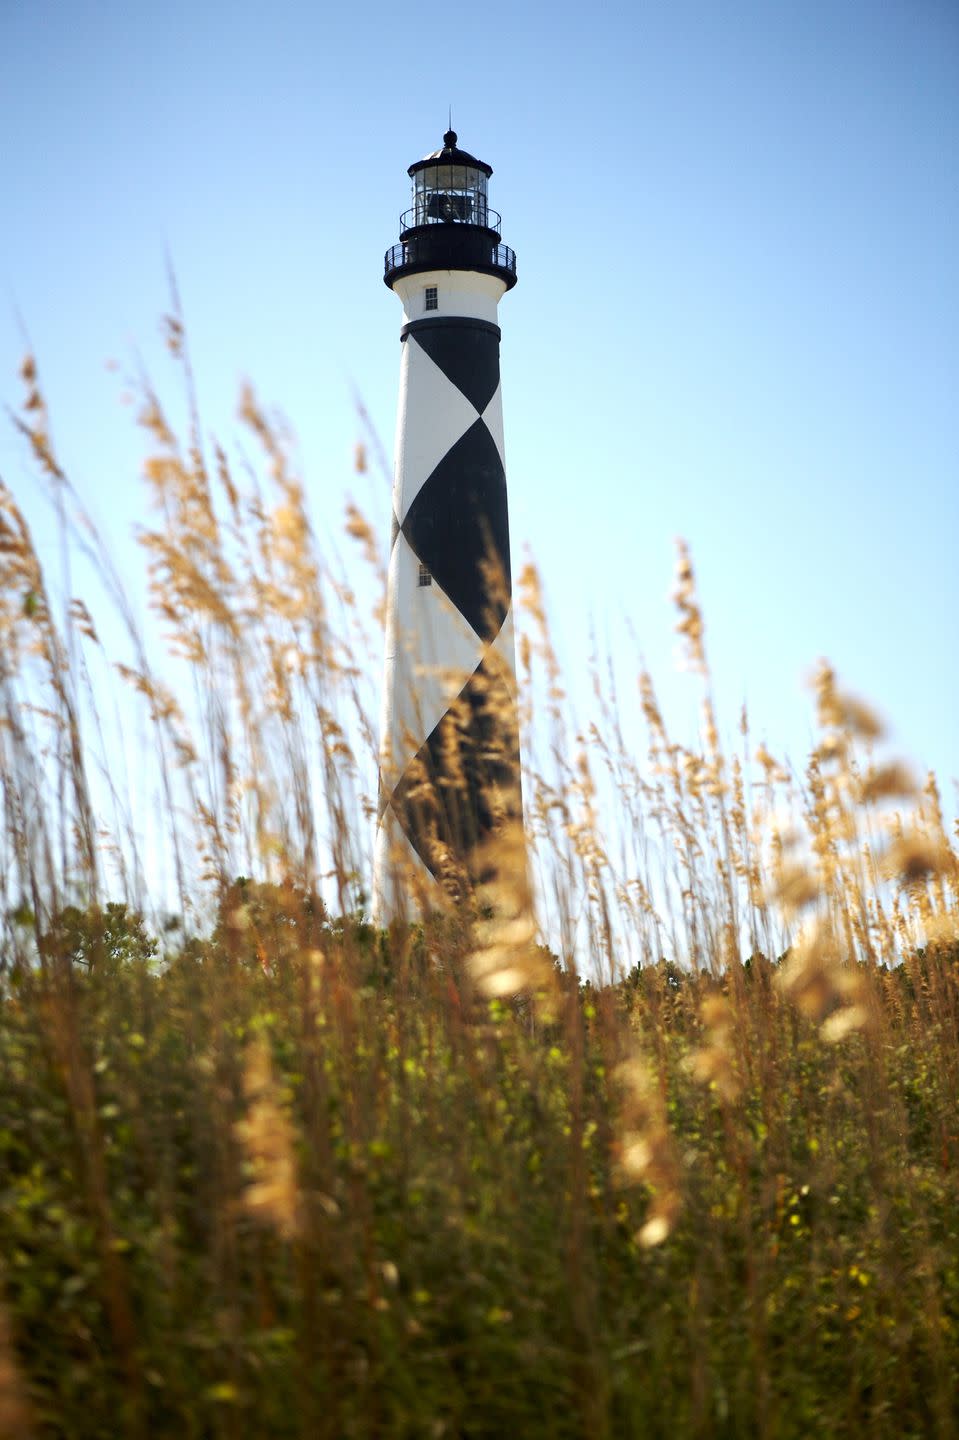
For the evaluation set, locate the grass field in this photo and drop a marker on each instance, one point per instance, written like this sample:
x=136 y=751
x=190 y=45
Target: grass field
x=692 y=1169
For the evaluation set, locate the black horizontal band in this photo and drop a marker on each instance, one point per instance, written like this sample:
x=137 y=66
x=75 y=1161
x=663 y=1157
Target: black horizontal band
x=438 y=322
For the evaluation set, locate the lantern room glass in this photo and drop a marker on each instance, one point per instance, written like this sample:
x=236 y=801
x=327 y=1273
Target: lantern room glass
x=449 y=193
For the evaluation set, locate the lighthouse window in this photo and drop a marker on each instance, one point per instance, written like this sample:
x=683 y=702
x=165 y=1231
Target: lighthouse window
x=425 y=576
x=432 y=298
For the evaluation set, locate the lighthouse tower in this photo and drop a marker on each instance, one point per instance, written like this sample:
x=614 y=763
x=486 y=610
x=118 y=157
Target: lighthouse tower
x=449 y=764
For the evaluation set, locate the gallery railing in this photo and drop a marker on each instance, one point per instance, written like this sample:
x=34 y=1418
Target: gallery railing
x=441 y=209
x=424 y=251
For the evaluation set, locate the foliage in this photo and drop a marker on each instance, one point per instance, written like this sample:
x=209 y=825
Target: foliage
x=450 y=1250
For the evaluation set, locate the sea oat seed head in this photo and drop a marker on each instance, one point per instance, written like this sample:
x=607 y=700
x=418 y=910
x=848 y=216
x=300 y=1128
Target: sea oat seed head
x=654 y=1232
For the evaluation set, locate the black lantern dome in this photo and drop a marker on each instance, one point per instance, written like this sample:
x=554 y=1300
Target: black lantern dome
x=450 y=155
x=450 y=225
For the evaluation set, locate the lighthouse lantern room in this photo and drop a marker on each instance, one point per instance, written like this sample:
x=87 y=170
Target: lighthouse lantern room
x=450 y=223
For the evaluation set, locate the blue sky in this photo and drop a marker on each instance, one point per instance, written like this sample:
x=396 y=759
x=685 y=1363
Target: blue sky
x=737 y=318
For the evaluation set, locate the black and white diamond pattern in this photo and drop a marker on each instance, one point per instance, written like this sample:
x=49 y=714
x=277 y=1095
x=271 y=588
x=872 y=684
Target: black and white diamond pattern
x=450 y=756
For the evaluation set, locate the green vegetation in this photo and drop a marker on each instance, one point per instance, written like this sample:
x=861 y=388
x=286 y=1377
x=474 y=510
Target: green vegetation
x=341 y=1195
x=267 y=1171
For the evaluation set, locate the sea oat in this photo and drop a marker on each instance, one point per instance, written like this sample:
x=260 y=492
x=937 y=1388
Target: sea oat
x=714 y=1062
x=646 y=1150
x=268 y=1138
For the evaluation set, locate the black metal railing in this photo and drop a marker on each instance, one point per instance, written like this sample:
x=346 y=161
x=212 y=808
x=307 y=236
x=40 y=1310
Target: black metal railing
x=441 y=209
x=411 y=253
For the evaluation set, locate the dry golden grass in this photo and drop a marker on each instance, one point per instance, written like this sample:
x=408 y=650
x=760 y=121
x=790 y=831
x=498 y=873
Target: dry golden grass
x=649 y=1130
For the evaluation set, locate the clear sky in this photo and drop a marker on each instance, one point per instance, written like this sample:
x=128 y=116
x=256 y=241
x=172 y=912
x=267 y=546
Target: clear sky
x=737 y=320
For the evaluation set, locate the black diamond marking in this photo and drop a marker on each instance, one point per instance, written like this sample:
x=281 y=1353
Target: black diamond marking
x=458 y=526
x=394 y=531
x=467 y=356
x=467 y=768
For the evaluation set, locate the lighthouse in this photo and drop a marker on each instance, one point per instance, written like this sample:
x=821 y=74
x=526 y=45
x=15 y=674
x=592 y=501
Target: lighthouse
x=449 y=757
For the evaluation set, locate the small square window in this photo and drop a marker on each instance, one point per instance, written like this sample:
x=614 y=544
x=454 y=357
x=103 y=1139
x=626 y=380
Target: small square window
x=432 y=298
x=425 y=576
